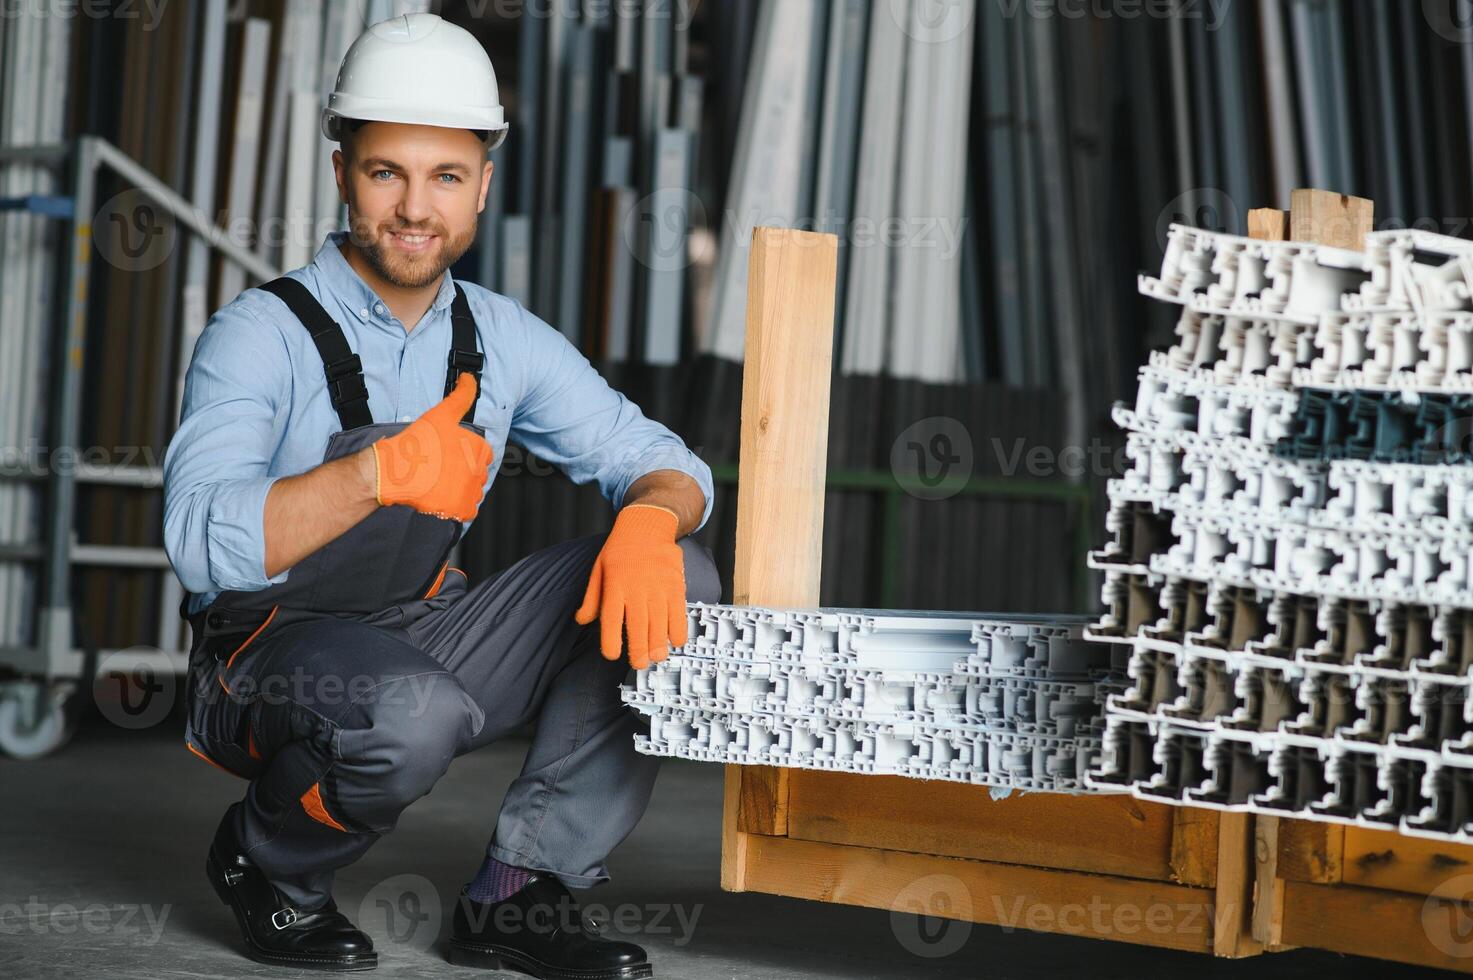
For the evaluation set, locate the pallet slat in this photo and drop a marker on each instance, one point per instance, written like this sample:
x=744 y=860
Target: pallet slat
x=1116 y=835
x=1098 y=906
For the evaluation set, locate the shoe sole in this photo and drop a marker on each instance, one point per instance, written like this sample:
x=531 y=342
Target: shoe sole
x=348 y=963
x=490 y=957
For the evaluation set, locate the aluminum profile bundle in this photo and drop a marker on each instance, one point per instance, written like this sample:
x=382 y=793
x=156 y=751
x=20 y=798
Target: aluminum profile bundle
x=1010 y=702
x=1289 y=562
x=1283 y=315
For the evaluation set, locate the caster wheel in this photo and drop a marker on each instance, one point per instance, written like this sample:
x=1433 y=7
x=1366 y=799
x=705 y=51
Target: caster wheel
x=33 y=722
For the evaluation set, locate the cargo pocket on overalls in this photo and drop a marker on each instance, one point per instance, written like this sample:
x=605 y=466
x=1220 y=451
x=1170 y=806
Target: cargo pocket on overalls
x=218 y=727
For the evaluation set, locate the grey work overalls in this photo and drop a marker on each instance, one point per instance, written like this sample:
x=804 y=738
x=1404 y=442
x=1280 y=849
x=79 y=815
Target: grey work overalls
x=344 y=692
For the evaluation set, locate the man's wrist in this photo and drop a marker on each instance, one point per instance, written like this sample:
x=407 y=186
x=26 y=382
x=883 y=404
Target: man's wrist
x=650 y=518
x=367 y=474
x=646 y=503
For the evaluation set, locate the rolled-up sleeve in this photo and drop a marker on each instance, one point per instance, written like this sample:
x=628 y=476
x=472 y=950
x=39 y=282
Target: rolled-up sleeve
x=570 y=417
x=215 y=470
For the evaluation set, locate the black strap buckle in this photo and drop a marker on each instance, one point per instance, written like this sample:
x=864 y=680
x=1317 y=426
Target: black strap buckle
x=337 y=370
x=345 y=390
x=466 y=360
x=345 y=380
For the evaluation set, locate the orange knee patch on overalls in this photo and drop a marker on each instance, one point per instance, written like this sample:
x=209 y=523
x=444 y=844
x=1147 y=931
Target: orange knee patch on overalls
x=312 y=803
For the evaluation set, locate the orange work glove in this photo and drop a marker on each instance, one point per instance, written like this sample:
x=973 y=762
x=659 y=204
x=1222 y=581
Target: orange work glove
x=435 y=465
x=638 y=583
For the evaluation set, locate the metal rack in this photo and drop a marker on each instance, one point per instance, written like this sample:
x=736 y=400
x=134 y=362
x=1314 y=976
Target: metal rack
x=46 y=677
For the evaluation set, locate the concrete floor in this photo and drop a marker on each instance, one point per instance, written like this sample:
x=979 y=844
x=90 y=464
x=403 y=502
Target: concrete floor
x=102 y=847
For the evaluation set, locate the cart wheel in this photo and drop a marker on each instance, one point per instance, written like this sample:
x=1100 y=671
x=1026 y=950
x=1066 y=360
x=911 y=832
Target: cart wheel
x=33 y=722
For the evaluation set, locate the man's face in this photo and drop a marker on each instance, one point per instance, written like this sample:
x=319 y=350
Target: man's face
x=413 y=196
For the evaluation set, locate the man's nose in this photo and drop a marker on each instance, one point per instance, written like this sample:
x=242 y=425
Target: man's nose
x=414 y=205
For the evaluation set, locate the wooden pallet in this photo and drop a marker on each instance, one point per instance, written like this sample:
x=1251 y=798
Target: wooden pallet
x=1368 y=892
x=1102 y=866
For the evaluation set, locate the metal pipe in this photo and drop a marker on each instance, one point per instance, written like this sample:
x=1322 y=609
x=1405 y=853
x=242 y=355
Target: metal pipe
x=55 y=627
x=143 y=477
x=41 y=154
x=178 y=206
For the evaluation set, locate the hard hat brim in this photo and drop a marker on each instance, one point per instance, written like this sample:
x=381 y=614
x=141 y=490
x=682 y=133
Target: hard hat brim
x=490 y=120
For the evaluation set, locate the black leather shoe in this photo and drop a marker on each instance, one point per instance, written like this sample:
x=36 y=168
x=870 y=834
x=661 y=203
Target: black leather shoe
x=276 y=933
x=540 y=931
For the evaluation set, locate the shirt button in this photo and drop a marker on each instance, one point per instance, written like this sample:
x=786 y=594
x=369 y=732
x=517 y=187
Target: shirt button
x=404 y=418
x=379 y=309
x=363 y=312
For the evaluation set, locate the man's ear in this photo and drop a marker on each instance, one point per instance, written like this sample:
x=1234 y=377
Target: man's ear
x=485 y=184
x=340 y=173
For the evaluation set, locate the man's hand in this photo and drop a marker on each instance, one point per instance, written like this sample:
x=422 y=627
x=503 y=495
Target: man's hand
x=638 y=583
x=435 y=465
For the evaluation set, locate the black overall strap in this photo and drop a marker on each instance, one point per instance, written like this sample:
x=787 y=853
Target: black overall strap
x=344 y=371
x=464 y=356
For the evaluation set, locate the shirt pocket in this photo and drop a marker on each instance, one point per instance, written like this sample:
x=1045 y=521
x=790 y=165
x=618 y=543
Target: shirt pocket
x=495 y=419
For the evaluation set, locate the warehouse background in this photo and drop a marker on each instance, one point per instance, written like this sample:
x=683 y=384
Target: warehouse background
x=997 y=172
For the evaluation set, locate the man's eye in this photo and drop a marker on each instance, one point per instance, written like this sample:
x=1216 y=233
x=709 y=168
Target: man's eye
x=451 y=176
x=378 y=173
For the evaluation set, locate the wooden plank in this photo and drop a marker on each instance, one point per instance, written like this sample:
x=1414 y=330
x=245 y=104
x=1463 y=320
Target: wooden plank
x=1232 y=931
x=791 y=279
x=1102 y=834
x=733 y=840
x=785 y=410
x=1152 y=913
x=1269 y=224
x=1194 y=846
x=1386 y=859
x=1268 y=897
x=1311 y=851
x=1386 y=925
x=764 y=806
x=1328 y=218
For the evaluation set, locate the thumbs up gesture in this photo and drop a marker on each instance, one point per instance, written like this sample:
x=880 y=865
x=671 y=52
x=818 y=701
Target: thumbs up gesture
x=436 y=465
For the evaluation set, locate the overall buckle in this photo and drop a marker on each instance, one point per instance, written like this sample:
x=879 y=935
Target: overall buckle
x=466 y=360
x=345 y=380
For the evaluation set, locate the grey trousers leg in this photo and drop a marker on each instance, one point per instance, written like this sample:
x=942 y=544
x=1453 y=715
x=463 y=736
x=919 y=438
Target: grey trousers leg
x=515 y=647
x=341 y=723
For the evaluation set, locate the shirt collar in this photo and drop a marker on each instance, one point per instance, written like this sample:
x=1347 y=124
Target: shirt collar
x=345 y=282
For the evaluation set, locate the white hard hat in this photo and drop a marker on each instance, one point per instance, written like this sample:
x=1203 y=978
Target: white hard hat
x=416 y=69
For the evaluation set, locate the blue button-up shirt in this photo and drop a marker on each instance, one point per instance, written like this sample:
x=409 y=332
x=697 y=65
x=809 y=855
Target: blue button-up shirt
x=256 y=409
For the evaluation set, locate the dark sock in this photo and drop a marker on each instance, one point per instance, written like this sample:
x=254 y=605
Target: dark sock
x=496 y=881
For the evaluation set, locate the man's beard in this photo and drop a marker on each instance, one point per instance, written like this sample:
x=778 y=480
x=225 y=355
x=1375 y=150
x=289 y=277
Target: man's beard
x=413 y=273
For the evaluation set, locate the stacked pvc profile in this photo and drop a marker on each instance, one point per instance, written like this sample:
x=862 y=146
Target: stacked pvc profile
x=1005 y=702
x=1290 y=563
